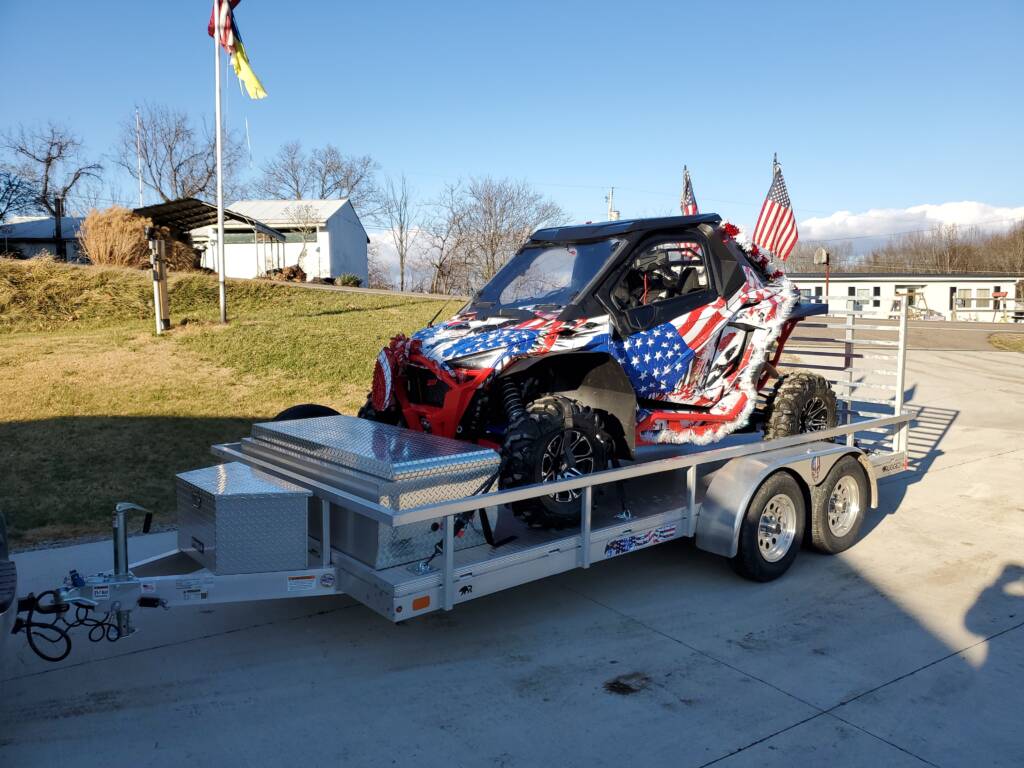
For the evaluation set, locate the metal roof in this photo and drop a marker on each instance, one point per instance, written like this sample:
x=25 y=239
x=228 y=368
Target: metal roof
x=578 y=232
x=282 y=212
x=189 y=213
x=31 y=228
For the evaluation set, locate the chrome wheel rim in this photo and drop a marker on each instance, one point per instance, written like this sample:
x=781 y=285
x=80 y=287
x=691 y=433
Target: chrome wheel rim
x=843 y=506
x=814 y=416
x=776 y=528
x=568 y=454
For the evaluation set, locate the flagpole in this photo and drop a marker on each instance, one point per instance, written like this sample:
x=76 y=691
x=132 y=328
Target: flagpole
x=220 y=178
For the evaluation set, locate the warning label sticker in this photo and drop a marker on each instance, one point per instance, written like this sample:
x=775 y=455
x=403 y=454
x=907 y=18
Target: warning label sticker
x=301 y=583
x=101 y=593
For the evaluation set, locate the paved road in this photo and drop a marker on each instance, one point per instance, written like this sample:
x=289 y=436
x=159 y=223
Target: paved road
x=907 y=650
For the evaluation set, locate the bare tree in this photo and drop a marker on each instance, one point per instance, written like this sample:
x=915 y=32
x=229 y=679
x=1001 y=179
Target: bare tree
x=323 y=174
x=446 y=235
x=178 y=157
x=398 y=216
x=16 y=195
x=287 y=175
x=500 y=216
x=49 y=159
x=377 y=272
x=305 y=219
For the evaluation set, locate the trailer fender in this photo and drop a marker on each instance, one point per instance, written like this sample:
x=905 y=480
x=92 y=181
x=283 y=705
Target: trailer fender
x=720 y=513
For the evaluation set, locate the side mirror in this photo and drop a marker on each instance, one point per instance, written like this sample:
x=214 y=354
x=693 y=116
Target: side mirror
x=640 y=318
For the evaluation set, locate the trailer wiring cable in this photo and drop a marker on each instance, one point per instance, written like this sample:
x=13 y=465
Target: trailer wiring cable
x=58 y=630
x=466 y=518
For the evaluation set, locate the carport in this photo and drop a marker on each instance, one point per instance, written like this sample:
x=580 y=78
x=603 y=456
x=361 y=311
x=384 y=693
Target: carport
x=184 y=216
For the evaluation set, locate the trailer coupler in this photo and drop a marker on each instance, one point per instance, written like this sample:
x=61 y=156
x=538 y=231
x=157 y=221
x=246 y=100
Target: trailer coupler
x=50 y=637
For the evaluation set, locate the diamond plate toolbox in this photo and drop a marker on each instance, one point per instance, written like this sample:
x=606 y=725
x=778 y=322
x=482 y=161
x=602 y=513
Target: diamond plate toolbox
x=396 y=467
x=234 y=519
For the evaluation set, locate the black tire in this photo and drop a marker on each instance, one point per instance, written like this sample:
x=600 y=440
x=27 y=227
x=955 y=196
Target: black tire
x=391 y=415
x=535 y=452
x=305 y=411
x=801 y=402
x=839 y=506
x=764 y=558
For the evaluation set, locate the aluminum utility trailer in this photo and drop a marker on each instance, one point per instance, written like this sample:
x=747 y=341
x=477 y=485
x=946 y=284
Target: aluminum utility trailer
x=699 y=493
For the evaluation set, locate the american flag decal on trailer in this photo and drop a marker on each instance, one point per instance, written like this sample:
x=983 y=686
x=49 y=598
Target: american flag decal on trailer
x=630 y=543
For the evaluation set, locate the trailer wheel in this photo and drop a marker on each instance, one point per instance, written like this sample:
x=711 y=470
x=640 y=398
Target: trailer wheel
x=558 y=439
x=772 y=529
x=801 y=402
x=840 y=503
x=305 y=411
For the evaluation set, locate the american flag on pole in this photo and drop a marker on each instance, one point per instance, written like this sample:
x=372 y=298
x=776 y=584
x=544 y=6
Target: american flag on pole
x=776 y=225
x=222 y=20
x=687 y=202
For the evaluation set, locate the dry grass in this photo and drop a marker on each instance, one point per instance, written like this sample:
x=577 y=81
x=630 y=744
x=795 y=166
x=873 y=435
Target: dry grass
x=97 y=409
x=116 y=237
x=1010 y=342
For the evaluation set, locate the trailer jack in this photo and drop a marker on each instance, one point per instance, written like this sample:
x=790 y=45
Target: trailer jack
x=50 y=639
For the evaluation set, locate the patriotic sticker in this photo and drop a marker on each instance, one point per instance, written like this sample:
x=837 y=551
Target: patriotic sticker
x=639 y=540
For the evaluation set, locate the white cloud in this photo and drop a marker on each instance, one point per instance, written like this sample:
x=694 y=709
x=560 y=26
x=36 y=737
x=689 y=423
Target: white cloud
x=880 y=222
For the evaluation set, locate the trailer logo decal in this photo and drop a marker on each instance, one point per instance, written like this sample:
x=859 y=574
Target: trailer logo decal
x=815 y=469
x=629 y=543
x=327 y=580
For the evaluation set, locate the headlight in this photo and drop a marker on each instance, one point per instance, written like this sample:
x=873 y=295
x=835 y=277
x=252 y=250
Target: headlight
x=485 y=359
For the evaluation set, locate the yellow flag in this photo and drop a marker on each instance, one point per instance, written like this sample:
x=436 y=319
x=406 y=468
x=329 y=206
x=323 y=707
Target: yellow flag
x=240 y=63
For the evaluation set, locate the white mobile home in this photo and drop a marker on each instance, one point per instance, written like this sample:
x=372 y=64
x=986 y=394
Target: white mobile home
x=323 y=237
x=981 y=297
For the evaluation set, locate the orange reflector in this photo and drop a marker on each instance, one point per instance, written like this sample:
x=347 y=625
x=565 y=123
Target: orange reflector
x=419 y=603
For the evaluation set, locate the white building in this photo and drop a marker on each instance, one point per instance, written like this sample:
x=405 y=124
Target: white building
x=323 y=237
x=953 y=297
x=31 y=236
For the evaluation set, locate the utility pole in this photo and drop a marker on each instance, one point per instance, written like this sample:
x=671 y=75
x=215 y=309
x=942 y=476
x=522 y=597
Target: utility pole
x=220 y=177
x=58 y=234
x=613 y=215
x=138 y=152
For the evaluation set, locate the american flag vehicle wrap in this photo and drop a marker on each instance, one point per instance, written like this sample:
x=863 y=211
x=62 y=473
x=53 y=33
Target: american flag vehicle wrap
x=699 y=359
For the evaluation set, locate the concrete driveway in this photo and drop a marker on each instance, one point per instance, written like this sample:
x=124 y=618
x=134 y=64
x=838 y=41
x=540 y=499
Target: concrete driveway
x=906 y=650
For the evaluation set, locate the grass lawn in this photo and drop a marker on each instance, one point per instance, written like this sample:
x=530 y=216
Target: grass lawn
x=97 y=409
x=1011 y=342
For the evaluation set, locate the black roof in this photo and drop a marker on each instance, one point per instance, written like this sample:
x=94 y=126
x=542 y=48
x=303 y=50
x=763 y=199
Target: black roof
x=578 y=232
x=188 y=213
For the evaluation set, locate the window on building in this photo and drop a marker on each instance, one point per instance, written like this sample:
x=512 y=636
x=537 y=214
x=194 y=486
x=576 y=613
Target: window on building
x=851 y=291
x=963 y=298
x=983 y=299
x=876 y=293
x=805 y=294
x=952 y=299
x=818 y=291
x=996 y=303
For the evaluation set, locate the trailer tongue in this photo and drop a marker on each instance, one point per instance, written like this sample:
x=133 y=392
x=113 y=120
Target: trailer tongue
x=407 y=522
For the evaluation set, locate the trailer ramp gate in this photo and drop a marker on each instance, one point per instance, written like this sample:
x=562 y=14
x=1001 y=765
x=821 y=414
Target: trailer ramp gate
x=394 y=516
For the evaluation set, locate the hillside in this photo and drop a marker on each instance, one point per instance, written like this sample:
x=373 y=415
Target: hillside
x=98 y=409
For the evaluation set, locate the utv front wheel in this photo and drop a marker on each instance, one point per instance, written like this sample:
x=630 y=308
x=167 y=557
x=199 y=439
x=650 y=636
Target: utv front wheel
x=558 y=439
x=802 y=402
x=390 y=415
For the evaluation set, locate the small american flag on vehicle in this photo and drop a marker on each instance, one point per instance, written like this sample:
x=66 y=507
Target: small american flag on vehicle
x=776 y=225
x=687 y=202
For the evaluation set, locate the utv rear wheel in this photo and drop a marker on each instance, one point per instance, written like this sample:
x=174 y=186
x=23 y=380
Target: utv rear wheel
x=557 y=439
x=305 y=411
x=801 y=402
x=390 y=415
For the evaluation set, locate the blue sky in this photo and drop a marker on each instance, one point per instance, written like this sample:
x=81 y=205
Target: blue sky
x=869 y=105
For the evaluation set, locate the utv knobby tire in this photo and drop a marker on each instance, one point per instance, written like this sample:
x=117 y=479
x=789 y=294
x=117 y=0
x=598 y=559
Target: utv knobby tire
x=527 y=442
x=305 y=411
x=840 y=505
x=797 y=398
x=390 y=415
